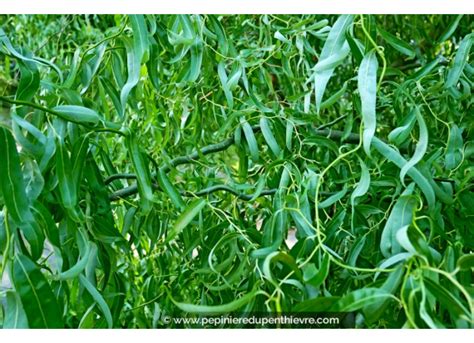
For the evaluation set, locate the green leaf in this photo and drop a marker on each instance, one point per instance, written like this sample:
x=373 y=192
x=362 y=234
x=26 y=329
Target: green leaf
x=224 y=83
x=15 y=316
x=185 y=218
x=363 y=184
x=29 y=81
x=135 y=53
x=397 y=43
x=172 y=192
x=360 y=298
x=66 y=183
x=38 y=300
x=454 y=149
x=335 y=48
x=400 y=216
x=77 y=114
x=320 y=276
x=92 y=65
x=142 y=171
x=251 y=140
x=85 y=251
x=283 y=258
x=460 y=60
x=335 y=98
x=466 y=262
x=447 y=298
x=333 y=198
x=425 y=70
x=300 y=212
x=392 y=260
x=4 y=39
x=196 y=61
x=319 y=304
x=12 y=185
x=357 y=48
x=35 y=148
x=269 y=137
x=450 y=29
x=140 y=36
x=216 y=309
x=44 y=218
x=420 y=149
x=376 y=309
x=356 y=249
x=99 y=299
x=290 y=127
x=367 y=85
x=395 y=157
x=400 y=134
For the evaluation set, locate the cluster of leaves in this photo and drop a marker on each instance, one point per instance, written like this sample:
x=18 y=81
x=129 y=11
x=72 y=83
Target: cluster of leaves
x=165 y=165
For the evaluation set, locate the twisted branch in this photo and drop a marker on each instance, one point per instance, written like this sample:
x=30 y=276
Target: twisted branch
x=213 y=148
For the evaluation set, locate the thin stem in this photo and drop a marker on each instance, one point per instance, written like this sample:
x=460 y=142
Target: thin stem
x=377 y=49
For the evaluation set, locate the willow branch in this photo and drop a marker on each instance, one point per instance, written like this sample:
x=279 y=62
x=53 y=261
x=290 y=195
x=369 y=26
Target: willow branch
x=194 y=156
x=228 y=189
x=213 y=148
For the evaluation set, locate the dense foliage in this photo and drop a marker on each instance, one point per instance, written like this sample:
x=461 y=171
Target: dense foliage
x=165 y=165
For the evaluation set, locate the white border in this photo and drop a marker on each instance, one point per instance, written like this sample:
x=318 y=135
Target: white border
x=237 y=6
x=238 y=336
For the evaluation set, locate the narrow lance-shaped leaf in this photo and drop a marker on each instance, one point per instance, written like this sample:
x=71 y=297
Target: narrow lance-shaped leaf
x=466 y=262
x=318 y=278
x=38 y=300
x=10 y=48
x=136 y=51
x=216 y=309
x=367 y=85
x=335 y=48
x=142 y=171
x=460 y=60
x=363 y=185
x=401 y=133
x=195 y=60
x=250 y=138
x=225 y=87
x=99 y=299
x=421 y=146
x=283 y=258
x=169 y=188
x=450 y=29
x=397 y=43
x=360 y=298
x=185 y=218
x=85 y=250
x=15 y=316
x=140 y=36
x=77 y=114
x=400 y=216
x=376 y=309
x=29 y=81
x=269 y=137
x=395 y=157
x=357 y=48
x=12 y=185
x=64 y=170
x=92 y=65
x=454 y=150
x=333 y=198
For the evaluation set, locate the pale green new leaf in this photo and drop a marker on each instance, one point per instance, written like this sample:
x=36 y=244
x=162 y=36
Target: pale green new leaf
x=367 y=85
x=335 y=48
x=420 y=149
